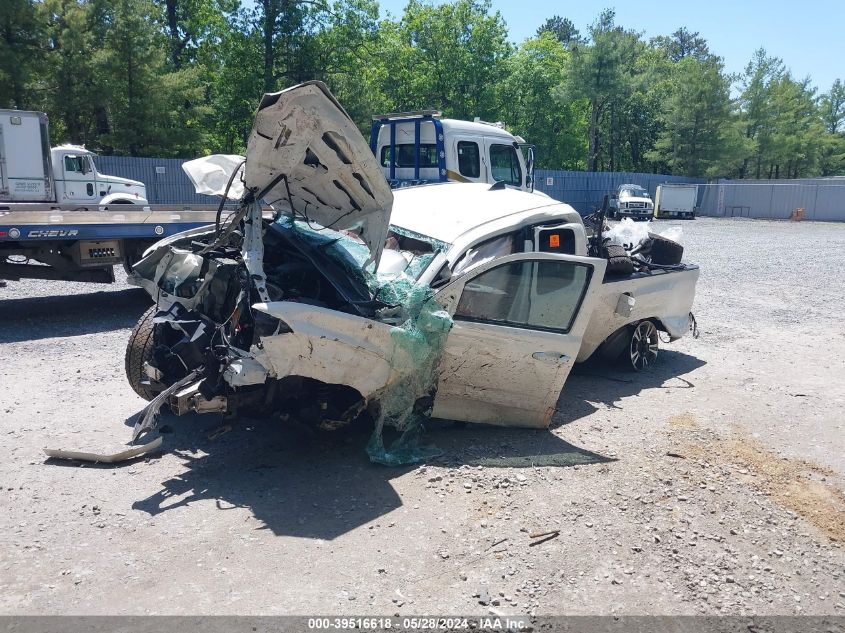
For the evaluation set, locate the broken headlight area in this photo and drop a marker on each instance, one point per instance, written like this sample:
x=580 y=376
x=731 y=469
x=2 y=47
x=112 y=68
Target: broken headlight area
x=206 y=327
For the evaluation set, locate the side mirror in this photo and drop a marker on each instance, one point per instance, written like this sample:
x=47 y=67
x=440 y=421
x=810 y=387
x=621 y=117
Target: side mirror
x=529 y=169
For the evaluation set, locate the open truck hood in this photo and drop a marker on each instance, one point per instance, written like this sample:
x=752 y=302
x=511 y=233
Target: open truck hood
x=304 y=145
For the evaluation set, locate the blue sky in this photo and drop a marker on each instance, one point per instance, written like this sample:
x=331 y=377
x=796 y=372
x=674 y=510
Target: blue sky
x=808 y=35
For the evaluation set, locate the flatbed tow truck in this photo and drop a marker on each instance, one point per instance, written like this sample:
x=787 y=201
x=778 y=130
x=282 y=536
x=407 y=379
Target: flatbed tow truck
x=73 y=242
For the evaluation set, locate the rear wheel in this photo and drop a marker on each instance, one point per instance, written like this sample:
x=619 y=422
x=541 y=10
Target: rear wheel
x=642 y=347
x=139 y=350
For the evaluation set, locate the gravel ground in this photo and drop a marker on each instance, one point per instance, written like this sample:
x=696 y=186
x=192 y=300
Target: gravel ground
x=711 y=484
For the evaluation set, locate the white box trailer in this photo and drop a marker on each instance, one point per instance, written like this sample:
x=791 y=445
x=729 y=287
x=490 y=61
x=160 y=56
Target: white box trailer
x=24 y=157
x=676 y=201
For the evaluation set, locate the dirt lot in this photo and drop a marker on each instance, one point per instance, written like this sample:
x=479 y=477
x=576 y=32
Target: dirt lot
x=712 y=484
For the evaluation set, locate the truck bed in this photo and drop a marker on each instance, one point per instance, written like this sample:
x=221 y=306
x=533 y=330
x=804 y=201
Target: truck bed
x=84 y=242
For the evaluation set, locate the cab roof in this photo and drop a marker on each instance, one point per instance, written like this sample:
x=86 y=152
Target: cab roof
x=448 y=211
x=450 y=126
x=475 y=127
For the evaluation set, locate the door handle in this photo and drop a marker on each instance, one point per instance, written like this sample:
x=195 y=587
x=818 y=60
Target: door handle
x=551 y=357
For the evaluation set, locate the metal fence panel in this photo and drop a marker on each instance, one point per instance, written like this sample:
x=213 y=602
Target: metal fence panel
x=166 y=182
x=821 y=198
x=829 y=203
x=585 y=191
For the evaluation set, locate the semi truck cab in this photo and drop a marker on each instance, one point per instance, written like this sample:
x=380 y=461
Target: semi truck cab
x=422 y=147
x=78 y=180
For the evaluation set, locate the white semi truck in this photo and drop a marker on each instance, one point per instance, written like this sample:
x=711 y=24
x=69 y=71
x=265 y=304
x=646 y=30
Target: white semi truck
x=422 y=147
x=32 y=172
x=62 y=219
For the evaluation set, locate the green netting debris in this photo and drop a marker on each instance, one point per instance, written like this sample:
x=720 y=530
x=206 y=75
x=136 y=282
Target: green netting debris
x=418 y=344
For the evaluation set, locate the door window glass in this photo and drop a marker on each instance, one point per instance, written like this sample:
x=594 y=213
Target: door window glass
x=504 y=164
x=469 y=161
x=75 y=163
x=541 y=295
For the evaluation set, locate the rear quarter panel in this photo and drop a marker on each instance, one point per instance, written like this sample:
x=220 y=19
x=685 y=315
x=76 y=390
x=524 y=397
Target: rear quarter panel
x=663 y=296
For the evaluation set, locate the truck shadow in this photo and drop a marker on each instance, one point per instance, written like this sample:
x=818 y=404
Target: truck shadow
x=605 y=384
x=319 y=484
x=310 y=484
x=34 y=318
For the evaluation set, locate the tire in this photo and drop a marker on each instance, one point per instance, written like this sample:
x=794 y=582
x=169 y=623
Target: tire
x=641 y=351
x=139 y=350
x=618 y=261
x=665 y=251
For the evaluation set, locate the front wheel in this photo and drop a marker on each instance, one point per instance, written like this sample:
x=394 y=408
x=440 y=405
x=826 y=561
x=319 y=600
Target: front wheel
x=642 y=347
x=139 y=350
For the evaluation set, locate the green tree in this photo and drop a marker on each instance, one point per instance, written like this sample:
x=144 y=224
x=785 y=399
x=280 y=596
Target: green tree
x=600 y=73
x=234 y=66
x=21 y=52
x=348 y=43
x=151 y=112
x=190 y=24
x=449 y=56
x=562 y=29
x=696 y=119
x=683 y=43
x=832 y=108
x=557 y=129
x=633 y=121
x=832 y=149
x=797 y=131
x=73 y=95
x=756 y=109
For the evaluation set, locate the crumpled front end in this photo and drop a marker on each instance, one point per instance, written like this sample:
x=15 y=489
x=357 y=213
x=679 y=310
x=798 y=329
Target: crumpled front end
x=329 y=343
x=287 y=317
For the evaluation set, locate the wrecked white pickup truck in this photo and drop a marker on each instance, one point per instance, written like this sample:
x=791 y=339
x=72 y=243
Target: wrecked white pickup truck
x=461 y=301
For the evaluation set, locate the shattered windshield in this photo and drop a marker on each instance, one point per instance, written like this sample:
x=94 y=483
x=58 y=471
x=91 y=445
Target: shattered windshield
x=340 y=258
x=343 y=247
x=634 y=192
x=406 y=255
x=409 y=252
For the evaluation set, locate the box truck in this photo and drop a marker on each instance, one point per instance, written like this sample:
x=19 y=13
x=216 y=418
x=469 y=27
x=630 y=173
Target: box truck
x=676 y=201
